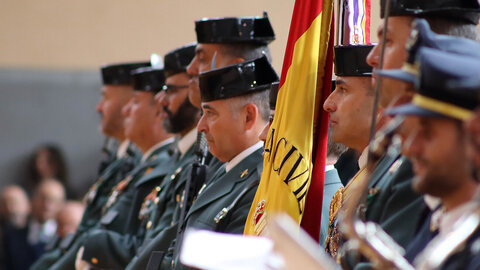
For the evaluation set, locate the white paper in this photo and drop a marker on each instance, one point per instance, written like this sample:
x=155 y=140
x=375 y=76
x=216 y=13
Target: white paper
x=219 y=251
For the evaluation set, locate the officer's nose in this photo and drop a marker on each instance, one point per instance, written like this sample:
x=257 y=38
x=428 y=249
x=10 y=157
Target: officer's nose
x=192 y=68
x=263 y=135
x=373 y=58
x=330 y=105
x=99 y=105
x=202 y=124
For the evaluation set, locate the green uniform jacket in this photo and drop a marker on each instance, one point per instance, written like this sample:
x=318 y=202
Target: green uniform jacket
x=234 y=191
x=95 y=200
x=117 y=216
x=117 y=249
x=164 y=227
x=391 y=202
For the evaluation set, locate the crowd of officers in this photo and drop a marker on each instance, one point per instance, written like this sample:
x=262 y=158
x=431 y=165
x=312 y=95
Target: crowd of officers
x=221 y=92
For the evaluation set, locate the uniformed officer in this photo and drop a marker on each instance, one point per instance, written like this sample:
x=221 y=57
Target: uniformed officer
x=424 y=43
x=350 y=107
x=144 y=127
x=116 y=92
x=235 y=106
x=159 y=225
x=440 y=148
x=392 y=203
x=141 y=115
x=227 y=39
x=456 y=18
x=232 y=40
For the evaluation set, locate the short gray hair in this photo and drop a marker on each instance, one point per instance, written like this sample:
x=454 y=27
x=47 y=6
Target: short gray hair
x=259 y=99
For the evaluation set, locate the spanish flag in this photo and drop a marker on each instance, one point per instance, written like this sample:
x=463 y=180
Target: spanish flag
x=300 y=124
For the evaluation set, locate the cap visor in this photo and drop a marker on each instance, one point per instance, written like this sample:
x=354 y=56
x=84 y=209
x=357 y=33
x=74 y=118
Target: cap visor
x=410 y=109
x=397 y=74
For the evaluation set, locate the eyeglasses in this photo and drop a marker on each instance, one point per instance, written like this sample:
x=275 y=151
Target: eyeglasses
x=170 y=88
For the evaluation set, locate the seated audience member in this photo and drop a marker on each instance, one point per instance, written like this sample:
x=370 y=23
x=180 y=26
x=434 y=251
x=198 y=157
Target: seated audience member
x=46 y=162
x=22 y=246
x=69 y=218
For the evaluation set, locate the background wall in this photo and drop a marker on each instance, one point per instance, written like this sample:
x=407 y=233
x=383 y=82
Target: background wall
x=50 y=51
x=84 y=34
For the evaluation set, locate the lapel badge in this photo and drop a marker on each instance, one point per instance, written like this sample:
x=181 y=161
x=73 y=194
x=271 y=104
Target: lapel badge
x=244 y=173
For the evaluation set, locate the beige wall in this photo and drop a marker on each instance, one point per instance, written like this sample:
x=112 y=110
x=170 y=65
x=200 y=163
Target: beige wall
x=83 y=34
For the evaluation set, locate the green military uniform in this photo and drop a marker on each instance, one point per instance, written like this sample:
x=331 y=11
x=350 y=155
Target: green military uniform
x=391 y=202
x=119 y=206
x=156 y=208
x=162 y=227
x=233 y=190
x=95 y=200
x=112 y=249
x=100 y=244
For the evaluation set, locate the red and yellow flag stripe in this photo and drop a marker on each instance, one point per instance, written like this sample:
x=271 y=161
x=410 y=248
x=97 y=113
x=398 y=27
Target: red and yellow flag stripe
x=288 y=160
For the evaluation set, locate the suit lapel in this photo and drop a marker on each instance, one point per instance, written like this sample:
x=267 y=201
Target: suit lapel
x=224 y=185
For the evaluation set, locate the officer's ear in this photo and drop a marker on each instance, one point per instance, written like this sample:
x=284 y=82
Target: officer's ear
x=250 y=115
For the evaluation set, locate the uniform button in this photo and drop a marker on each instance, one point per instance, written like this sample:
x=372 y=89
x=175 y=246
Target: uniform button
x=149 y=225
x=94 y=260
x=172 y=177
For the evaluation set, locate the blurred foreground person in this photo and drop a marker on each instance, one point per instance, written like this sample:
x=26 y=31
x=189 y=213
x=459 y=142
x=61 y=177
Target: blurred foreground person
x=22 y=246
x=441 y=151
x=69 y=218
x=14 y=207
